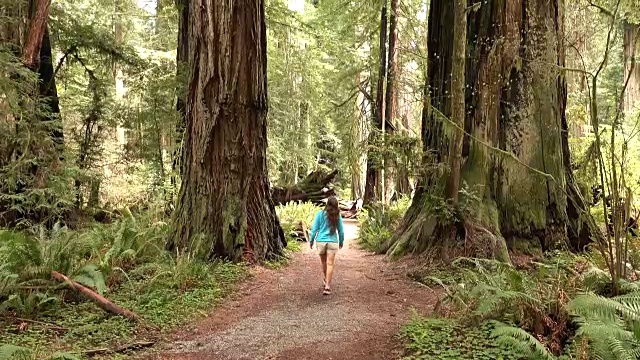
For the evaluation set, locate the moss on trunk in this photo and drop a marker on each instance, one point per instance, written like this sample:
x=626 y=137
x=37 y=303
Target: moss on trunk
x=515 y=100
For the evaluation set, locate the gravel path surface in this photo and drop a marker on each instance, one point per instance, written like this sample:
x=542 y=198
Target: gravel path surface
x=282 y=314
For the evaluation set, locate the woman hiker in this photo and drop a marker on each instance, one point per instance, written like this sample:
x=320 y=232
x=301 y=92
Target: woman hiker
x=327 y=231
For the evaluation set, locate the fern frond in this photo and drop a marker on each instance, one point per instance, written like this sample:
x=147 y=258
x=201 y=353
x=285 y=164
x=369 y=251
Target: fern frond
x=19 y=251
x=89 y=275
x=595 y=307
x=632 y=304
x=609 y=340
x=8 y=280
x=521 y=340
x=9 y=352
x=491 y=300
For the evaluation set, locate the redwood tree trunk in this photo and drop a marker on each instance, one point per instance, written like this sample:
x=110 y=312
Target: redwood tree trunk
x=37 y=28
x=182 y=57
x=224 y=203
x=37 y=55
x=391 y=95
x=48 y=91
x=400 y=175
x=515 y=106
x=33 y=46
x=372 y=189
x=457 y=96
x=390 y=105
x=631 y=47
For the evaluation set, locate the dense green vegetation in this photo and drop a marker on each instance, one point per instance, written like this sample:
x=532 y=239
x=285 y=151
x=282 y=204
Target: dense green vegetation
x=124 y=261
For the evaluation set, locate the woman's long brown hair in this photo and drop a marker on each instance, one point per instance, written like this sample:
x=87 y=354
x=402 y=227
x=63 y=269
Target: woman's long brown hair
x=333 y=213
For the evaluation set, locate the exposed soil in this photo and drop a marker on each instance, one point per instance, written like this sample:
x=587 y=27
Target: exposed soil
x=282 y=314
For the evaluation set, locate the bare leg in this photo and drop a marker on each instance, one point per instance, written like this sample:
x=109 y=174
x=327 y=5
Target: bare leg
x=323 y=258
x=331 y=257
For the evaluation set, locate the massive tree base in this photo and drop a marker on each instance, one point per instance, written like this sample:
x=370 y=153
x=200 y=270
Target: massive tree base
x=426 y=230
x=515 y=170
x=428 y=234
x=224 y=207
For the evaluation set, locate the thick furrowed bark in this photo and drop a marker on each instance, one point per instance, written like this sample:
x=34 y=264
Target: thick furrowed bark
x=516 y=104
x=37 y=28
x=182 y=57
x=224 y=206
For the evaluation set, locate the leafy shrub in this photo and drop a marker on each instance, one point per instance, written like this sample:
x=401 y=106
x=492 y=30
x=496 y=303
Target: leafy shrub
x=293 y=214
x=379 y=221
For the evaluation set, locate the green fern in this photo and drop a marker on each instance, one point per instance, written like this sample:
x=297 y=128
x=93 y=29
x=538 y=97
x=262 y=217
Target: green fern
x=611 y=325
x=28 y=304
x=12 y=352
x=520 y=340
x=533 y=301
x=8 y=281
x=90 y=275
x=19 y=251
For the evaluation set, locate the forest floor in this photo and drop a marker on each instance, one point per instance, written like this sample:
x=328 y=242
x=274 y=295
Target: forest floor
x=282 y=314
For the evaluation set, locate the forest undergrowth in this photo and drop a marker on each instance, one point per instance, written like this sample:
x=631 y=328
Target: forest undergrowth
x=554 y=305
x=126 y=262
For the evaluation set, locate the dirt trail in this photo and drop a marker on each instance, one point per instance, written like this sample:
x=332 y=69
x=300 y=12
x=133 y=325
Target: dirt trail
x=282 y=314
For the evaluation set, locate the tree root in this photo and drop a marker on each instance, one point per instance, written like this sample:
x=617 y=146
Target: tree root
x=475 y=243
x=427 y=232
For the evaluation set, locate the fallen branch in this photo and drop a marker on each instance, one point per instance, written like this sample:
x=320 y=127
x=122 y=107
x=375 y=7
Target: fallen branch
x=101 y=301
x=49 y=325
x=121 y=349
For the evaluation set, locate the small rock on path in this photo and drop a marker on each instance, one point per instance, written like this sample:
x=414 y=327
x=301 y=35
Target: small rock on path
x=282 y=314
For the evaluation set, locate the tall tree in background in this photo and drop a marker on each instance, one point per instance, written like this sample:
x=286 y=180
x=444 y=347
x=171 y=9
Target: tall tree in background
x=631 y=48
x=224 y=199
x=513 y=158
x=392 y=73
x=33 y=141
x=372 y=190
x=37 y=56
x=39 y=10
x=391 y=95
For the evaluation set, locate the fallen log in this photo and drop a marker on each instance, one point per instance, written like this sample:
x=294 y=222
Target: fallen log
x=100 y=300
x=350 y=210
x=301 y=232
x=314 y=188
